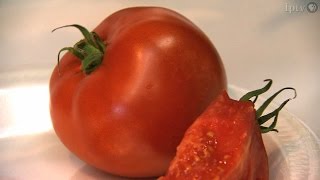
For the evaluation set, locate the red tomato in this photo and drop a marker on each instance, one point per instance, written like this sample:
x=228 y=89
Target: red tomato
x=223 y=143
x=158 y=73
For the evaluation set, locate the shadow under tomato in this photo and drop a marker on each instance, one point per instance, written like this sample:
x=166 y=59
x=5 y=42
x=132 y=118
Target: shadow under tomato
x=88 y=172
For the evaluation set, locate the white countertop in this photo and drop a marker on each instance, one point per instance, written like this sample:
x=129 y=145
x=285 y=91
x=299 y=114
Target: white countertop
x=256 y=40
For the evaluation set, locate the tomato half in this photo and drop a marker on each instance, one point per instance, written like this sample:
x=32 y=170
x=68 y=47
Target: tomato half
x=158 y=73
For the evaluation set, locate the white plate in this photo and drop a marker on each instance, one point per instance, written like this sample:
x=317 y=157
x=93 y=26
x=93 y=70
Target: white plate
x=29 y=149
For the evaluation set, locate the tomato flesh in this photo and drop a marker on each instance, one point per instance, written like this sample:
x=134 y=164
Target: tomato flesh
x=223 y=143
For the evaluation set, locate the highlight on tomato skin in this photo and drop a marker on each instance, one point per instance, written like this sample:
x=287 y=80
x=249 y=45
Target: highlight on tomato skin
x=122 y=98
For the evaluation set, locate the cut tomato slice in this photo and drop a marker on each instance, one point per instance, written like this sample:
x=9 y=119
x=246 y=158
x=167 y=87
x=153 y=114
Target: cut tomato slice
x=225 y=142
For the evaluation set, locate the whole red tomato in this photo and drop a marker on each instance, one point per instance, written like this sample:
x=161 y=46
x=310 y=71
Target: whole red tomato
x=127 y=113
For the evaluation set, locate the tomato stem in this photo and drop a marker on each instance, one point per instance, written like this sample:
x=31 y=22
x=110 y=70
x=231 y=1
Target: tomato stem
x=89 y=50
x=259 y=112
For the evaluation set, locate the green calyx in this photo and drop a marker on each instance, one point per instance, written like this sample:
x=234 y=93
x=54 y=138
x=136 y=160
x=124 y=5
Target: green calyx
x=89 y=50
x=259 y=112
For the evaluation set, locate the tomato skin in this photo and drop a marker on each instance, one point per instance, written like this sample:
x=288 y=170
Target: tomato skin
x=159 y=72
x=223 y=143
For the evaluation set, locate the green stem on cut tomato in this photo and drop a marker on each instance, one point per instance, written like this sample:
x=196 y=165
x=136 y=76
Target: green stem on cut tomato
x=89 y=50
x=259 y=112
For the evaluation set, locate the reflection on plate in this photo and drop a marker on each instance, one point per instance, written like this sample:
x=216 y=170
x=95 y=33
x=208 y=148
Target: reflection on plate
x=294 y=152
